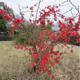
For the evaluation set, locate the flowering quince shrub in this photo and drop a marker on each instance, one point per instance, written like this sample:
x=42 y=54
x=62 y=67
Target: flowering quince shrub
x=44 y=56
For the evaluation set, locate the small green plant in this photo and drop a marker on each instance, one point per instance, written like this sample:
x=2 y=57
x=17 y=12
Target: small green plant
x=28 y=36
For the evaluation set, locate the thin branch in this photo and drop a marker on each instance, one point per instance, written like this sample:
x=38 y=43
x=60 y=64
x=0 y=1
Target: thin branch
x=37 y=9
x=20 y=12
x=74 y=6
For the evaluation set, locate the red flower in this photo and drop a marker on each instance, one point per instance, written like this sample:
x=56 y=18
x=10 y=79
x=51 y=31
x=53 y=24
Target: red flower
x=44 y=68
x=1 y=11
x=7 y=17
x=41 y=63
x=14 y=27
x=57 y=59
x=76 y=27
x=18 y=21
x=42 y=22
x=78 y=40
x=19 y=47
x=61 y=25
x=38 y=72
x=35 y=56
x=74 y=34
x=32 y=64
x=67 y=39
x=44 y=59
x=51 y=9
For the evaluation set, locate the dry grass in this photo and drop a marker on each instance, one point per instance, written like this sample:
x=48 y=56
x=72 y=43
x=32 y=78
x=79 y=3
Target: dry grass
x=69 y=68
x=13 y=63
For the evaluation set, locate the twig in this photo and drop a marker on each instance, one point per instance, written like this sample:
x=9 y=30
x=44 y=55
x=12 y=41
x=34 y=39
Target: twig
x=37 y=9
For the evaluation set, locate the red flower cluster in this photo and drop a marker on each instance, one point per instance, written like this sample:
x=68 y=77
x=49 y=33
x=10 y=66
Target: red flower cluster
x=1 y=12
x=7 y=17
x=35 y=56
x=18 y=21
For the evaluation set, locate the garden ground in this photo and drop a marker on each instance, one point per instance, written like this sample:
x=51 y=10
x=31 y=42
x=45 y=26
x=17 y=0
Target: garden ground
x=12 y=62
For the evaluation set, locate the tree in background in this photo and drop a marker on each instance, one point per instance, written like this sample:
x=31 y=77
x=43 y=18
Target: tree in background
x=5 y=21
x=9 y=12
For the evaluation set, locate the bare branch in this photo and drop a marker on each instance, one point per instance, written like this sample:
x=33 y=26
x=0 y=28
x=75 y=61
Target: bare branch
x=77 y=8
